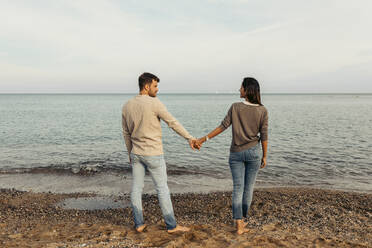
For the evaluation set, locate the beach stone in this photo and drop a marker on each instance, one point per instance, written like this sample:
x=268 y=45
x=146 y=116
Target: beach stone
x=269 y=227
x=16 y=236
x=117 y=234
x=49 y=234
x=83 y=225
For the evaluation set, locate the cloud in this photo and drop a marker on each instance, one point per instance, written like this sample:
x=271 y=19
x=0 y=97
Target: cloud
x=193 y=45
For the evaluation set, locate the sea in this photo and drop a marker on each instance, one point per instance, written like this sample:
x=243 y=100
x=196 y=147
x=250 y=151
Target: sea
x=65 y=143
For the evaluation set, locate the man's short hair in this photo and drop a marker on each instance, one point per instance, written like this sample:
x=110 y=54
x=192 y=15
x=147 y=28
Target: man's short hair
x=146 y=78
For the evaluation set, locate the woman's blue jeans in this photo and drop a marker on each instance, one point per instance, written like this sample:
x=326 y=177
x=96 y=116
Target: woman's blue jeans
x=244 y=167
x=157 y=168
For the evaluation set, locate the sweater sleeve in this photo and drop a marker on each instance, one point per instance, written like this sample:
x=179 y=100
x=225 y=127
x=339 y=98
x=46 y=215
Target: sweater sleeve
x=264 y=126
x=227 y=120
x=126 y=134
x=172 y=122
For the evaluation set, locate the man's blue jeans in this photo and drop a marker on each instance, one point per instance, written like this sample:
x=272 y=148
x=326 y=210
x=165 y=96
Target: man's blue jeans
x=244 y=167
x=157 y=168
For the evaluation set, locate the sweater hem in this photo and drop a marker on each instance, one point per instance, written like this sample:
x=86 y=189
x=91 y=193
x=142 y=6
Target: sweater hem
x=243 y=147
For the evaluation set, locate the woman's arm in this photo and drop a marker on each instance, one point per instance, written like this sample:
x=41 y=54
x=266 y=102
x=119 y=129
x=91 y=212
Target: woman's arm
x=212 y=134
x=227 y=121
x=264 y=137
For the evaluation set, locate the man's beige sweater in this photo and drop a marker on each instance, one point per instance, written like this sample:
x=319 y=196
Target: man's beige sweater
x=141 y=125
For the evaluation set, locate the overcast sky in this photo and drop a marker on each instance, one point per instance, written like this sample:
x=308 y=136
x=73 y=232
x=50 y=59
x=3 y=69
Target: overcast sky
x=191 y=45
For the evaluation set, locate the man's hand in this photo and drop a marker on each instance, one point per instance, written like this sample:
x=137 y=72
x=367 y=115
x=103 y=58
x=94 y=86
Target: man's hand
x=191 y=143
x=263 y=162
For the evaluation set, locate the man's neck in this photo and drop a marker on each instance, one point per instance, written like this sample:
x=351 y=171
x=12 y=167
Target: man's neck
x=144 y=93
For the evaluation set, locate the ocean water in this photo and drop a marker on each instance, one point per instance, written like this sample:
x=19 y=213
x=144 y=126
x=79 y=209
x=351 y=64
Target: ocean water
x=73 y=142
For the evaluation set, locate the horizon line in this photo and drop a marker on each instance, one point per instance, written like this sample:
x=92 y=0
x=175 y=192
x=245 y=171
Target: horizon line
x=185 y=93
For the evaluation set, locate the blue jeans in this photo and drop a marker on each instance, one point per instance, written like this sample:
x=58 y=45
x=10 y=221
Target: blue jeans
x=157 y=168
x=244 y=167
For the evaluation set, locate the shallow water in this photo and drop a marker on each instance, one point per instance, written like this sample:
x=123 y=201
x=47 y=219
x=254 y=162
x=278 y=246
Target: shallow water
x=320 y=141
x=92 y=203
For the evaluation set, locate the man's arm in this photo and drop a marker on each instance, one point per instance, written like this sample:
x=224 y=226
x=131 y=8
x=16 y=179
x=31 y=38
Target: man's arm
x=126 y=135
x=172 y=122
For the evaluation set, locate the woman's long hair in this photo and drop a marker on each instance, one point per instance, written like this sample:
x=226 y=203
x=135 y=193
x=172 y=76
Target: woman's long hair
x=252 y=90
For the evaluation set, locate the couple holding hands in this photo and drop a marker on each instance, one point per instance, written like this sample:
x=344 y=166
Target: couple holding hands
x=141 y=117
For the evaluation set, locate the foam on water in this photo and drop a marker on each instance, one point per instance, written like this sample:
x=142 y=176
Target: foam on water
x=108 y=184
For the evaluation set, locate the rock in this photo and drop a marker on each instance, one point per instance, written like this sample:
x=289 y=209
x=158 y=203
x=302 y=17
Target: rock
x=16 y=236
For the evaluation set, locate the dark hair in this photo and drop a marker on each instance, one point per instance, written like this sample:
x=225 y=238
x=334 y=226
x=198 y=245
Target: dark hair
x=146 y=78
x=252 y=90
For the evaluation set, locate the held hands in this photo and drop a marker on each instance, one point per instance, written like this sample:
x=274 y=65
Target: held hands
x=195 y=144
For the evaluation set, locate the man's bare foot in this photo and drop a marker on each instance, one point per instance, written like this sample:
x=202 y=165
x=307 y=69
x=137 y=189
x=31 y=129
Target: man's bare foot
x=179 y=228
x=240 y=227
x=236 y=224
x=141 y=228
x=241 y=231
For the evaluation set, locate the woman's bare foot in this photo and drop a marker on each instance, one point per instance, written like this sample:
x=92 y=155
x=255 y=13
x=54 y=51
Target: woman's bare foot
x=179 y=228
x=240 y=227
x=141 y=228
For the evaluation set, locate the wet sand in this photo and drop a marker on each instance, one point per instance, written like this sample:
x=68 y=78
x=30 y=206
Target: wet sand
x=283 y=217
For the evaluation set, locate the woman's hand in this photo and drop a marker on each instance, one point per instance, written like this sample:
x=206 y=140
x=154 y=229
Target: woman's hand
x=263 y=162
x=199 y=142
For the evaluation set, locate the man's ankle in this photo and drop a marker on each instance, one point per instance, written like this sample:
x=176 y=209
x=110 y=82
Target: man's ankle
x=141 y=228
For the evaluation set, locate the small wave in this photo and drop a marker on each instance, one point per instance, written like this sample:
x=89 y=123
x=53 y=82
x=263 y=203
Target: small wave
x=82 y=169
x=90 y=168
x=60 y=170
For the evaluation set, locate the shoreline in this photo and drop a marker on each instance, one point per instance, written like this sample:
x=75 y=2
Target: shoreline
x=112 y=184
x=286 y=217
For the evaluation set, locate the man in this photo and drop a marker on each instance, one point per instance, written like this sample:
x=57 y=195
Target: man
x=142 y=133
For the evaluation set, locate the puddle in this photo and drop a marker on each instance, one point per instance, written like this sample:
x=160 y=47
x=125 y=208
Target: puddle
x=93 y=203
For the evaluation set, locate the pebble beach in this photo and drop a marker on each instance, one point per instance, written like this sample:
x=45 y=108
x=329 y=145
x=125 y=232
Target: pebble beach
x=279 y=217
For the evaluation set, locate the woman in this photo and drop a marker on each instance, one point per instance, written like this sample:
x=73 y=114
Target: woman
x=249 y=120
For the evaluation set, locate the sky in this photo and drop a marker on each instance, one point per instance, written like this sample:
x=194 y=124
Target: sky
x=193 y=46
